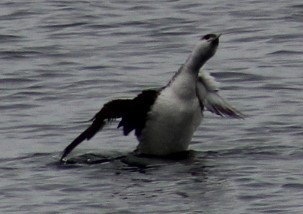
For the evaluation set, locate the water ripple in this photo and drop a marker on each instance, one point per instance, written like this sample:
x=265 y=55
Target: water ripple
x=62 y=60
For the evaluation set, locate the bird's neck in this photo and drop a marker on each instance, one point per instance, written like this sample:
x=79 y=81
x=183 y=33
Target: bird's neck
x=184 y=81
x=195 y=61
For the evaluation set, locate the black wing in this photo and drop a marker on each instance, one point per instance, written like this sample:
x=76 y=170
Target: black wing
x=132 y=111
x=136 y=115
x=111 y=110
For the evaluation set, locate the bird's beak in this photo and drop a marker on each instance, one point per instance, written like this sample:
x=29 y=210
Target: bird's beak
x=215 y=40
x=218 y=35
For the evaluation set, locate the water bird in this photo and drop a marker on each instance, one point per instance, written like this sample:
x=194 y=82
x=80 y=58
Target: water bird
x=164 y=120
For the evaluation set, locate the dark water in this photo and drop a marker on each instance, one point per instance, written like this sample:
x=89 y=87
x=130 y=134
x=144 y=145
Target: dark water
x=60 y=61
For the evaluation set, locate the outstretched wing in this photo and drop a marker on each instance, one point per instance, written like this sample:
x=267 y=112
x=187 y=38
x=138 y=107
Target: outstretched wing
x=111 y=110
x=136 y=115
x=132 y=111
x=208 y=94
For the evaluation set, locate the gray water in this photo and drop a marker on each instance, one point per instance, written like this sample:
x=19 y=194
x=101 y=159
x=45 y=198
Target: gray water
x=60 y=61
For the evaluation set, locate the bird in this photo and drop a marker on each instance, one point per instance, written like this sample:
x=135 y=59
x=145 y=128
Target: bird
x=165 y=119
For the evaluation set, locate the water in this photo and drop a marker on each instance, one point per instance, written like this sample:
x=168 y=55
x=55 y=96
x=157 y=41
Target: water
x=60 y=61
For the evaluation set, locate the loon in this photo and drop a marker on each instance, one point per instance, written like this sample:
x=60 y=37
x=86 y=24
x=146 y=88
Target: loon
x=165 y=120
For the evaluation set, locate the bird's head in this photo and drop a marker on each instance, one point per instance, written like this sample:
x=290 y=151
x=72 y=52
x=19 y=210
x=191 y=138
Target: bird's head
x=205 y=49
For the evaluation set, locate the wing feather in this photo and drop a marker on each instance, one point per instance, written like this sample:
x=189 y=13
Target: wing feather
x=111 y=110
x=132 y=111
x=208 y=94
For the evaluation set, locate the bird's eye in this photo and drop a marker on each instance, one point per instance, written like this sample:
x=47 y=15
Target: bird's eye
x=206 y=37
x=209 y=36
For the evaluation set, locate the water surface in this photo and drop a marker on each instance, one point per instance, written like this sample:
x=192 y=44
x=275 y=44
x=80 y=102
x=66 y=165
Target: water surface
x=60 y=61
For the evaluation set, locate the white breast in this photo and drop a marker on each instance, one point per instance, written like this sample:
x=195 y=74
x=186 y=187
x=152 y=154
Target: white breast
x=171 y=124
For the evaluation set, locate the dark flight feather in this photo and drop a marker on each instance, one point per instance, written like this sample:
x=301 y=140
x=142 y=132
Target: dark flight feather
x=132 y=111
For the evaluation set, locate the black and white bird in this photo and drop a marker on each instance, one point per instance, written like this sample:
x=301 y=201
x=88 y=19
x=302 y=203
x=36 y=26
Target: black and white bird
x=164 y=120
